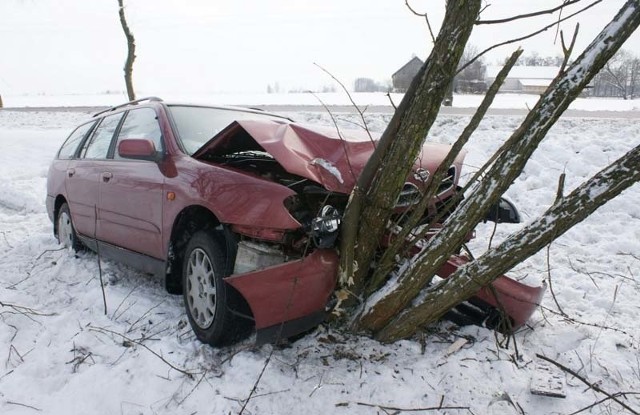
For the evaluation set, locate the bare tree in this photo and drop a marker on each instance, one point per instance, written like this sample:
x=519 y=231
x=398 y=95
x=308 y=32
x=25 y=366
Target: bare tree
x=131 y=52
x=620 y=77
x=392 y=311
x=470 y=79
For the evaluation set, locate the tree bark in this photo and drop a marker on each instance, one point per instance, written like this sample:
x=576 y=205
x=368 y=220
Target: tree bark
x=131 y=52
x=399 y=245
x=506 y=168
x=379 y=185
x=565 y=213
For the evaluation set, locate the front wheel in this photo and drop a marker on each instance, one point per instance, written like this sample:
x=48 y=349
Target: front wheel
x=66 y=232
x=204 y=290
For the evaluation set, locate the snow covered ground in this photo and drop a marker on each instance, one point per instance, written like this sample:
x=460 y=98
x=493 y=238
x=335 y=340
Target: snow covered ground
x=60 y=354
x=378 y=99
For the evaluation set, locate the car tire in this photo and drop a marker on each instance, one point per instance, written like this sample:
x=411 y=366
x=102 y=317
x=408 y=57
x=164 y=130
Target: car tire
x=206 y=295
x=66 y=231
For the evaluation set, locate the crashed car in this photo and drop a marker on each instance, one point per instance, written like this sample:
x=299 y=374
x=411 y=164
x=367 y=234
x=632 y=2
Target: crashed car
x=236 y=209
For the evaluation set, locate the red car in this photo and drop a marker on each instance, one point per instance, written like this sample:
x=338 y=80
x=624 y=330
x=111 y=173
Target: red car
x=237 y=209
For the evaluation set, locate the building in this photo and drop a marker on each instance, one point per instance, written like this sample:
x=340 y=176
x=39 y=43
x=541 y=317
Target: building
x=402 y=78
x=524 y=79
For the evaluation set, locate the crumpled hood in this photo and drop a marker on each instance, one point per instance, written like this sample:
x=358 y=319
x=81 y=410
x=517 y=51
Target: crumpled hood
x=315 y=153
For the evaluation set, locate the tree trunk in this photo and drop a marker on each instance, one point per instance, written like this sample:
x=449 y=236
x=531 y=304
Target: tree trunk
x=131 y=52
x=380 y=314
x=563 y=215
x=374 y=197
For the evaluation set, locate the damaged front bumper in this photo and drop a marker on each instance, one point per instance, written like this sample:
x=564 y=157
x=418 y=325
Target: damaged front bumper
x=290 y=297
x=504 y=305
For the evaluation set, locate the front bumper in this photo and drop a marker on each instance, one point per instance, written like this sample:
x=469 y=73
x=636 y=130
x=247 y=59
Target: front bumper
x=291 y=291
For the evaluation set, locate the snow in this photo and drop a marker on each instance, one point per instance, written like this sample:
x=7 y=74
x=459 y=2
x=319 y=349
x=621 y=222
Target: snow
x=67 y=356
x=364 y=99
x=329 y=167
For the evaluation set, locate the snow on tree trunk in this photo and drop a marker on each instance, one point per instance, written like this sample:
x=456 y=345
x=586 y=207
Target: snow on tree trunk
x=561 y=216
x=506 y=168
x=373 y=199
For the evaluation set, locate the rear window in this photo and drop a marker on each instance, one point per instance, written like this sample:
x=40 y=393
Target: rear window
x=197 y=125
x=70 y=147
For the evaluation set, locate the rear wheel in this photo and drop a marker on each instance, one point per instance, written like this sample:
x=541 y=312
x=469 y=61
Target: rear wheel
x=66 y=232
x=206 y=296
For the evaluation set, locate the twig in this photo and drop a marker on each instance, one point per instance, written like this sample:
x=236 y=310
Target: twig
x=353 y=103
x=528 y=15
x=391 y=101
x=4 y=234
x=623 y=394
x=393 y=408
x=25 y=311
x=426 y=17
x=23 y=405
x=590 y=385
x=568 y=50
x=146 y=313
x=342 y=140
x=139 y=343
x=537 y=32
x=553 y=294
x=95 y=227
x=193 y=389
x=266 y=363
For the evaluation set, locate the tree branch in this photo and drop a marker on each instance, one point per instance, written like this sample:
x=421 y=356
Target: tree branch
x=528 y=15
x=589 y=384
x=556 y=99
x=530 y=35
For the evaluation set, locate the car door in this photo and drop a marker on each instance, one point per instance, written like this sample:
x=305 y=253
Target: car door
x=131 y=191
x=83 y=176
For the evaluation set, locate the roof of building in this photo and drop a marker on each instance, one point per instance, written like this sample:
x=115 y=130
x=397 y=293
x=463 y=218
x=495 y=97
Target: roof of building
x=535 y=82
x=411 y=61
x=525 y=72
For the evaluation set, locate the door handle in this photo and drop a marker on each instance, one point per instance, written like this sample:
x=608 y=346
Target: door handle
x=106 y=176
x=71 y=172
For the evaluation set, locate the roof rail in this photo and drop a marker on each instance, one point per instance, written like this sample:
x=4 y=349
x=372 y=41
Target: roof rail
x=128 y=103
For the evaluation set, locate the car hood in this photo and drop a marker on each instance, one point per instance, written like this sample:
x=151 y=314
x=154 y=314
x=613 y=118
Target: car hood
x=323 y=155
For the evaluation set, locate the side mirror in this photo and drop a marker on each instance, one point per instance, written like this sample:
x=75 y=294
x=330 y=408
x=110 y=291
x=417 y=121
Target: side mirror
x=138 y=148
x=503 y=212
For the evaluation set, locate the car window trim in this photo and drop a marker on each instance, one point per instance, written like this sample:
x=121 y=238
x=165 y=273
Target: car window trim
x=114 y=140
x=80 y=144
x=115 y=134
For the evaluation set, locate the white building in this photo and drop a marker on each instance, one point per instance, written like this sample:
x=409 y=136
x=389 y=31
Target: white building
x=524 y=79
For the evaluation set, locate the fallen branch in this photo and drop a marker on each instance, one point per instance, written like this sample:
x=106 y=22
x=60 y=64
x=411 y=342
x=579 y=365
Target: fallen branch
x=393 y=408
x=592 y=386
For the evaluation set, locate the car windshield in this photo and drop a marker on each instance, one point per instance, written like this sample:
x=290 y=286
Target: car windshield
x=197 y=125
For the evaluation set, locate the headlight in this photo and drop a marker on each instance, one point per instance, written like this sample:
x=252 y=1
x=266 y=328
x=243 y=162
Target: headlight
x=324 y=228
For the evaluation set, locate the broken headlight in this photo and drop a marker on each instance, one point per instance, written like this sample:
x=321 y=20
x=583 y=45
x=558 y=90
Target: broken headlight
x=324 y=228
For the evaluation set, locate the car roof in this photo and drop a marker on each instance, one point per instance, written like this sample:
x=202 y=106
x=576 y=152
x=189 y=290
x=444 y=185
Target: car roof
x=153 y=99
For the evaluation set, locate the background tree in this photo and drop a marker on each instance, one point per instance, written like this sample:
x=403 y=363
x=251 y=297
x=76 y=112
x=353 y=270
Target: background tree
x=471 y=78
x=619 y=78
x=391 y=311
x=534 y=59
x=131 y=52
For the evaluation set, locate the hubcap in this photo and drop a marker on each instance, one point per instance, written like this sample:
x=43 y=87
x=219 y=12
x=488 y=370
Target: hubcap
x=65 y=230
x=201 y=288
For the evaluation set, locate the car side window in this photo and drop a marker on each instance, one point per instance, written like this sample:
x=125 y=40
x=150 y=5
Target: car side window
x=98 y=147
x=70 y=146
x=140 y=123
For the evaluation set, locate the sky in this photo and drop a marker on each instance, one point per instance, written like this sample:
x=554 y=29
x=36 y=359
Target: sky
x=77 y=46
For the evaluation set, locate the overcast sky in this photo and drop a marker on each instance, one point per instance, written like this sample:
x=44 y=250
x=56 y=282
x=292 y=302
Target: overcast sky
x=77 y=46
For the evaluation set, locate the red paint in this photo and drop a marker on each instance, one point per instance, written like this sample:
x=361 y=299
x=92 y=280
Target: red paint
x=291 y=290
